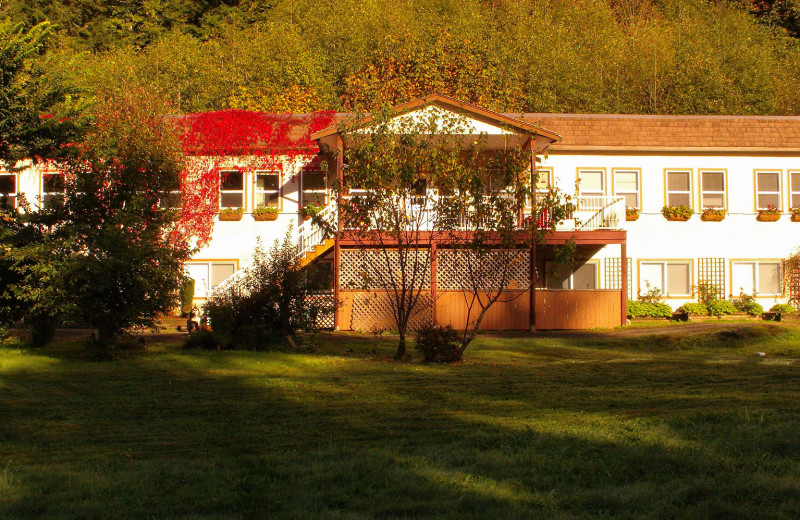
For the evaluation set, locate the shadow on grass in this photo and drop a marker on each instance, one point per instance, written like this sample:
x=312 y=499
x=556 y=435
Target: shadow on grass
x=254 y=435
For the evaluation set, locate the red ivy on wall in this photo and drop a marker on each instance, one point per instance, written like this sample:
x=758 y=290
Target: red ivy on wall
x=236 y=140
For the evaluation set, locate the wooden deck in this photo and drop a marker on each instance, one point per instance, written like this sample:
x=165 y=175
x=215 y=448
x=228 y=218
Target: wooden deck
x=555 y=310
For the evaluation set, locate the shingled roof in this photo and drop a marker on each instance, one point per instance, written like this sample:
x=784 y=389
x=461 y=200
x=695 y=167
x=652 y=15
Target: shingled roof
x=632 y=133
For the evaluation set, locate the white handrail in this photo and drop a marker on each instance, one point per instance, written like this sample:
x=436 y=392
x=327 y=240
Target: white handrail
x=310 y=235
x=604 y=212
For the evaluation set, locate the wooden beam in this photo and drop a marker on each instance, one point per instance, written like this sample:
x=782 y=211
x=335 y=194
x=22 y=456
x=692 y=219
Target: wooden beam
x=532 y=303
x=338 y=236
x=623 y=297
x=599 y=237
x=433 y=281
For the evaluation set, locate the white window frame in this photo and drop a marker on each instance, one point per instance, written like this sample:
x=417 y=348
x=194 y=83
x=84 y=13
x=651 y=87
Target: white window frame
x=779 y=193
x=257 y=192
x=570 y=279
x=544 y=183
x=15 y=193
x=638 y=191
x=207 y=289
x=46 y=194
x=222 y=175
x=735 y=291
x=794 y=188
x=161 y=199
x=303 y=189
x=724 y=191
x=668 y=192
x=665 y=274
x=602 y=192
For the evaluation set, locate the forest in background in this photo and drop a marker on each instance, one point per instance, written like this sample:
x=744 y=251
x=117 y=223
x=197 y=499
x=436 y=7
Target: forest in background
x=606 y=56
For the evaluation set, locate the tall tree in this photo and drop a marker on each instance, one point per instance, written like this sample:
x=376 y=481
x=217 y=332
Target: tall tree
x=40 y=112
x=103 y=253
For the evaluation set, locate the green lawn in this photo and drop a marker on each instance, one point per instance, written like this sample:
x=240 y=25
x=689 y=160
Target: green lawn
x=673 y=422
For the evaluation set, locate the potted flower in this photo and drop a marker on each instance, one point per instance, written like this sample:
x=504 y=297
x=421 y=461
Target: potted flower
x=713 y=214
x=770 y=214
x=680 y=213
x=264 y=214
x=230 y=214
x=795 y=214
x=631 y=214
x=309 y=210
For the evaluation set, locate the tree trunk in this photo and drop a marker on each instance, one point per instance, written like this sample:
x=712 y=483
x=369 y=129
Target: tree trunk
x=401 y=346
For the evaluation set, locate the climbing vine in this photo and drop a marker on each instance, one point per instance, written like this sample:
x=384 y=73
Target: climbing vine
x=236 y=140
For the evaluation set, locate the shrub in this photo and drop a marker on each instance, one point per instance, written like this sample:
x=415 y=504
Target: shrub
x=187 y=294
x=783 y=308
x=272 y=301
x=438 y=344
x=652 y=295
x=203 y=340
x=643 y=309
x=699 y=309
x=720 y=307
x=754 y=309
x=747 y=303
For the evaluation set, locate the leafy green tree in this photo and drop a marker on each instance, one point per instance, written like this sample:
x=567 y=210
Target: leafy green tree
x=104 y=254
x=415 y=183
x=39 y=111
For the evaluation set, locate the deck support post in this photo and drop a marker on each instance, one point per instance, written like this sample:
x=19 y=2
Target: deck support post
x=336 y=247
x=623 y=289
x=434 y=292
x=534 y=224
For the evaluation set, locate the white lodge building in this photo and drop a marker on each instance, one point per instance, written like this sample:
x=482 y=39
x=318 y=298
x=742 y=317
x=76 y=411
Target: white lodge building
x=739 y=164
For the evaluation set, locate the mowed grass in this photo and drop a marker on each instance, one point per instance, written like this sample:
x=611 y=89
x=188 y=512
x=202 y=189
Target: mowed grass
x=674 y=422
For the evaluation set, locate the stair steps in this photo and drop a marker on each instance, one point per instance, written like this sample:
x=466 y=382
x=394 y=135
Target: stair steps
x=316 y=252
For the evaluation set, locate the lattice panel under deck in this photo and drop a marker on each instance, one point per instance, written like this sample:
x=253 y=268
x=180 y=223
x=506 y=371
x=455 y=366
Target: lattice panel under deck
x=453 y=269
x=325 y=319
x=380 y=269
x=711 y=271
x=372 y=311
x=613 y=275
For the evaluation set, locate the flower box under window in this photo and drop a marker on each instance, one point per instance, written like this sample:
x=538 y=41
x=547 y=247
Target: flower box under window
x=713 y=215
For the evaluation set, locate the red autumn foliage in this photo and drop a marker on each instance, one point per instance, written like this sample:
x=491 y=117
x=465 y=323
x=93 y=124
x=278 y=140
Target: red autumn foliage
x=236 y=140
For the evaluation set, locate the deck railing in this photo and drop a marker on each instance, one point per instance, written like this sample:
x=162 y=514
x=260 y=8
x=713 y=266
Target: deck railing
x=310 y=234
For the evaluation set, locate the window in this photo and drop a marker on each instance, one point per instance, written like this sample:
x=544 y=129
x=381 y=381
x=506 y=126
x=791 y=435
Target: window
x=8 y=190
x=626 y=184
x=231 y=189
x=560 y=276
x=544 y=182
x=314 y=189
x=768 y=190
x=591 y=183
x=794 y=180
x=712 y=189
x=208 y=275
x=756 y=277
x=268 y=190
x=169 y=199
x=679 y=188
x=671 y=278
x=52 y=187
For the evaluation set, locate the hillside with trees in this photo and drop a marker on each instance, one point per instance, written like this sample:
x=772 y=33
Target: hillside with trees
x=608 y=56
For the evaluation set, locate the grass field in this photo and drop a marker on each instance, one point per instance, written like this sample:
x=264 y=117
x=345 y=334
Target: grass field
x=671 y=422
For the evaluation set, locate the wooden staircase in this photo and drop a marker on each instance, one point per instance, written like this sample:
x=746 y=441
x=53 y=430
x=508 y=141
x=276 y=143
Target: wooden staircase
x=315 y=252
